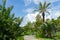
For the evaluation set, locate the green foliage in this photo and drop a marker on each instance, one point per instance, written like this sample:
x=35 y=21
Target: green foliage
x=57 y=21
x=20 y=38
x=50 y=29
x=47 y=30
x=29 y=29
x=9 y=25
x=57 y=36
x=42 y=8
x=37 y=23
x=45 y=39
x=38 y=34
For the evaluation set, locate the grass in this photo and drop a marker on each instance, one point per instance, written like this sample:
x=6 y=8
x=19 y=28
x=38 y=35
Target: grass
x=20 y=38
x=45 y=39
x=57 y=36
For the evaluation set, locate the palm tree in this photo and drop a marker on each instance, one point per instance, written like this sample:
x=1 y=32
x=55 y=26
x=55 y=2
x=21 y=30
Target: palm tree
x=42 y=8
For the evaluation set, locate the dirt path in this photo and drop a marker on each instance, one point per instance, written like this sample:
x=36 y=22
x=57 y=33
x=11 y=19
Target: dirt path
x=29 y=37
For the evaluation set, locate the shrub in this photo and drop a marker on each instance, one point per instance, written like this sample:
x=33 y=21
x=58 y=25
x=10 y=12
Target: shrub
x=20 y=38
x=47 y=29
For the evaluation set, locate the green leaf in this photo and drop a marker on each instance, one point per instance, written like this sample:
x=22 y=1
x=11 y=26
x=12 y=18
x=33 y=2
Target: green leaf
x=40 y=5
x=44 y=6
x=48 y=12
x=48 y=5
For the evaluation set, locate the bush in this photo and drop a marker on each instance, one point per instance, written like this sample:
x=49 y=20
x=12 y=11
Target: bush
x=20 y=38
x=38 y=35
x=9 y=25
x=57 y=36
x=47 y=30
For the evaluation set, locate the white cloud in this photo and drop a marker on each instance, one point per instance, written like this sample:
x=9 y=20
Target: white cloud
x=29 y=18
x=36 y=1
x=57 y=14
x=51 y=1
x=27 y=2
x=29 y=10
x=32 y=17
x=42 y=1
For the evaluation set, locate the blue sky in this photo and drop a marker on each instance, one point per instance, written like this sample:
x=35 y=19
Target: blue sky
x=20 y=6
x=24 y=8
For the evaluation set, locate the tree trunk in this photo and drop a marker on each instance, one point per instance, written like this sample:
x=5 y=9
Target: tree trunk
x=43 y=15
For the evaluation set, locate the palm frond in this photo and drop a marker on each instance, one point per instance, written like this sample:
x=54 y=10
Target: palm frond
x=40 y=5
x=0 y=7
x=35 y=10
x=9 y=9
x=4 y=3
x=44 y=5
x=48 y=5
x=48 y=12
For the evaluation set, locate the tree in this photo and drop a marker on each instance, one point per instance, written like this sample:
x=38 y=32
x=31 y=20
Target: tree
x=38 y=22
x=9 y=25
x=42 y=8
x=48 y=29
x=57 y=21
x=29 y=28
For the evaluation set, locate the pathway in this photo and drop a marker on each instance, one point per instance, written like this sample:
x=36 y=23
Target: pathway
x=29 y=37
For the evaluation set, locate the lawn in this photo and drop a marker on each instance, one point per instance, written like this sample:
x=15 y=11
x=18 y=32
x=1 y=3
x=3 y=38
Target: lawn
x=45 y=39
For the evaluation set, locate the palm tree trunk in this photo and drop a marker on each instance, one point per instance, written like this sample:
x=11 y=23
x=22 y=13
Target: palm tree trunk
x=43 y=15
